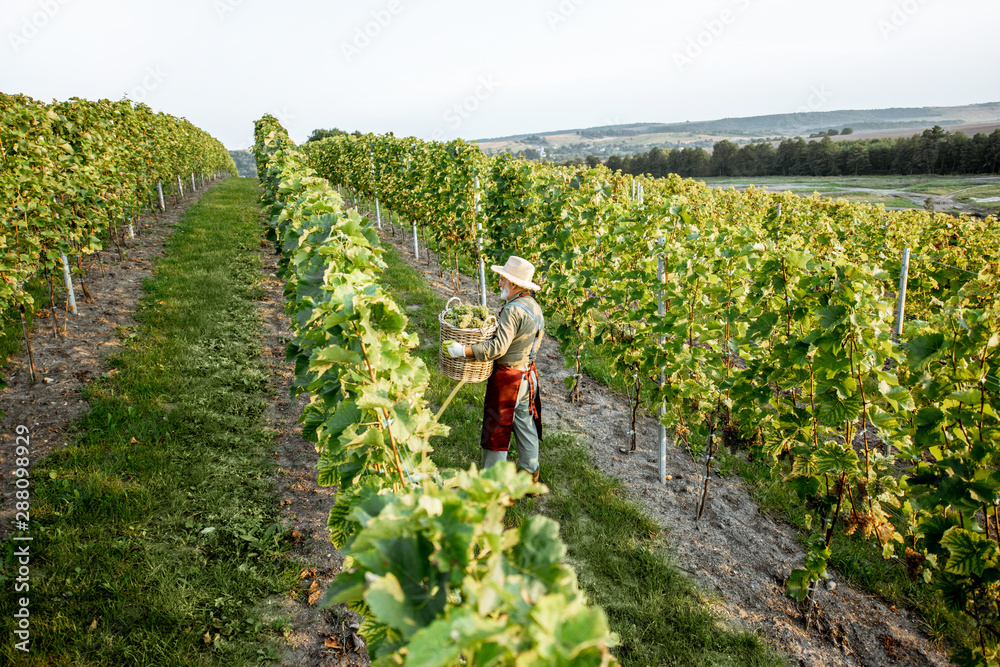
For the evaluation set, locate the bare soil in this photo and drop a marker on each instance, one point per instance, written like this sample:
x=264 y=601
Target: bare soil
x=319 y=637
x=738 y=557
x=66 y=364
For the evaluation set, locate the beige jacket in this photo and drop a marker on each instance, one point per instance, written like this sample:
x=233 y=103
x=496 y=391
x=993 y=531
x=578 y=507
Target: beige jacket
x=516 y=331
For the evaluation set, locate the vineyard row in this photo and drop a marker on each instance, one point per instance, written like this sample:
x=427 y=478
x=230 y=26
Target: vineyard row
x=429 y=563
x=74 y=176
x=765 y=316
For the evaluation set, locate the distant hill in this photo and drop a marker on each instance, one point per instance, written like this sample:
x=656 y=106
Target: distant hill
x=246 y=164
x=640 y=137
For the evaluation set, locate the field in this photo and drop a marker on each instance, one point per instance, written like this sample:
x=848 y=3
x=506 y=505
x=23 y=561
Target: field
x=569 y=145
x=802 y=288
x=962 y=195
x=242 y=449
x=735 y=555
x=969 y=129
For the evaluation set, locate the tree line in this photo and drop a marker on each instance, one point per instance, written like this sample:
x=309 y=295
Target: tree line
x=935 y=151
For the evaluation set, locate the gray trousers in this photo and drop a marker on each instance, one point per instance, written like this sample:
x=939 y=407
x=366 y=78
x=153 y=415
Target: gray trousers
x=525 y=434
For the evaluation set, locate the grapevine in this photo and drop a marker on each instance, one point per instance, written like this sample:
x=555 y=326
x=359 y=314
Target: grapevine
x=779 y=322
x=73 y=174
x=430 y=565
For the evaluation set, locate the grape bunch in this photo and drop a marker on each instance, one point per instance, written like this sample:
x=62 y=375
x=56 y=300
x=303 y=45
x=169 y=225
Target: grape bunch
x=468 y=317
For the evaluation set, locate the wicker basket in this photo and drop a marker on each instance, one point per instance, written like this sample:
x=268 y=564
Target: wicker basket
x=464 y=369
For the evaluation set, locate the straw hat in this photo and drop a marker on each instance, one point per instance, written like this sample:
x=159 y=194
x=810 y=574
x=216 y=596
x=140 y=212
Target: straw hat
x=518 y=271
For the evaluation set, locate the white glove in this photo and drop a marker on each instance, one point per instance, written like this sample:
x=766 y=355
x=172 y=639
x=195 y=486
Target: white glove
x=456 y=350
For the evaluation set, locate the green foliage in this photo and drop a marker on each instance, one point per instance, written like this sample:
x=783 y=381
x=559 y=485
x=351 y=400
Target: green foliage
x=440 y=580
x=776 y=324
x=72 y=171
x=319 y=134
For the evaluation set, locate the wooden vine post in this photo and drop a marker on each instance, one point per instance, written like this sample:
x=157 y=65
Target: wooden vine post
x=27 y=344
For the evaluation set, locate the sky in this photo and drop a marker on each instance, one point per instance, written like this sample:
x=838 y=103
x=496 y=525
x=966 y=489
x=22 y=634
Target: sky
x=440 y=69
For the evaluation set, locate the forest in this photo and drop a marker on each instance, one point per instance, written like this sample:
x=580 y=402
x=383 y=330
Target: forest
x=935 y=151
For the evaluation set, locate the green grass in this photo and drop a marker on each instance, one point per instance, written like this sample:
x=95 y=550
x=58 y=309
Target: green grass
x=156 y=528
x=945 y=186
x=835 y=187
x=894 y=202
x=982 y=192
x=616 y=548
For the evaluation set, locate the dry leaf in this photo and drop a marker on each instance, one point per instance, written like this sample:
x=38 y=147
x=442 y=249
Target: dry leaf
x=314 y=594
x=134 y=441
x=93 y=626
x=207 y=638
x=311 y=572
x=332 y=643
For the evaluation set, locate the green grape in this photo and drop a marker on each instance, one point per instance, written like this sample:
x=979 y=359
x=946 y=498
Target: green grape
x=468 y=317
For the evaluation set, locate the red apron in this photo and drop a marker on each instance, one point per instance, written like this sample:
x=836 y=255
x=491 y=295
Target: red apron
x=501 y=398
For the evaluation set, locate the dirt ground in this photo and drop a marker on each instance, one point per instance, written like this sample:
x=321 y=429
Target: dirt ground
x=739 y=558
x=66 y=364
x=320 y=637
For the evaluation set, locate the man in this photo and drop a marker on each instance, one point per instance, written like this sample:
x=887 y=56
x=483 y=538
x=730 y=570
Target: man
x=513 y=399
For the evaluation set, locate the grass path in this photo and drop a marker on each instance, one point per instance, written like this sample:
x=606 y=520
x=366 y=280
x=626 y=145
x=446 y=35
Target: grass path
x=154 y=532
